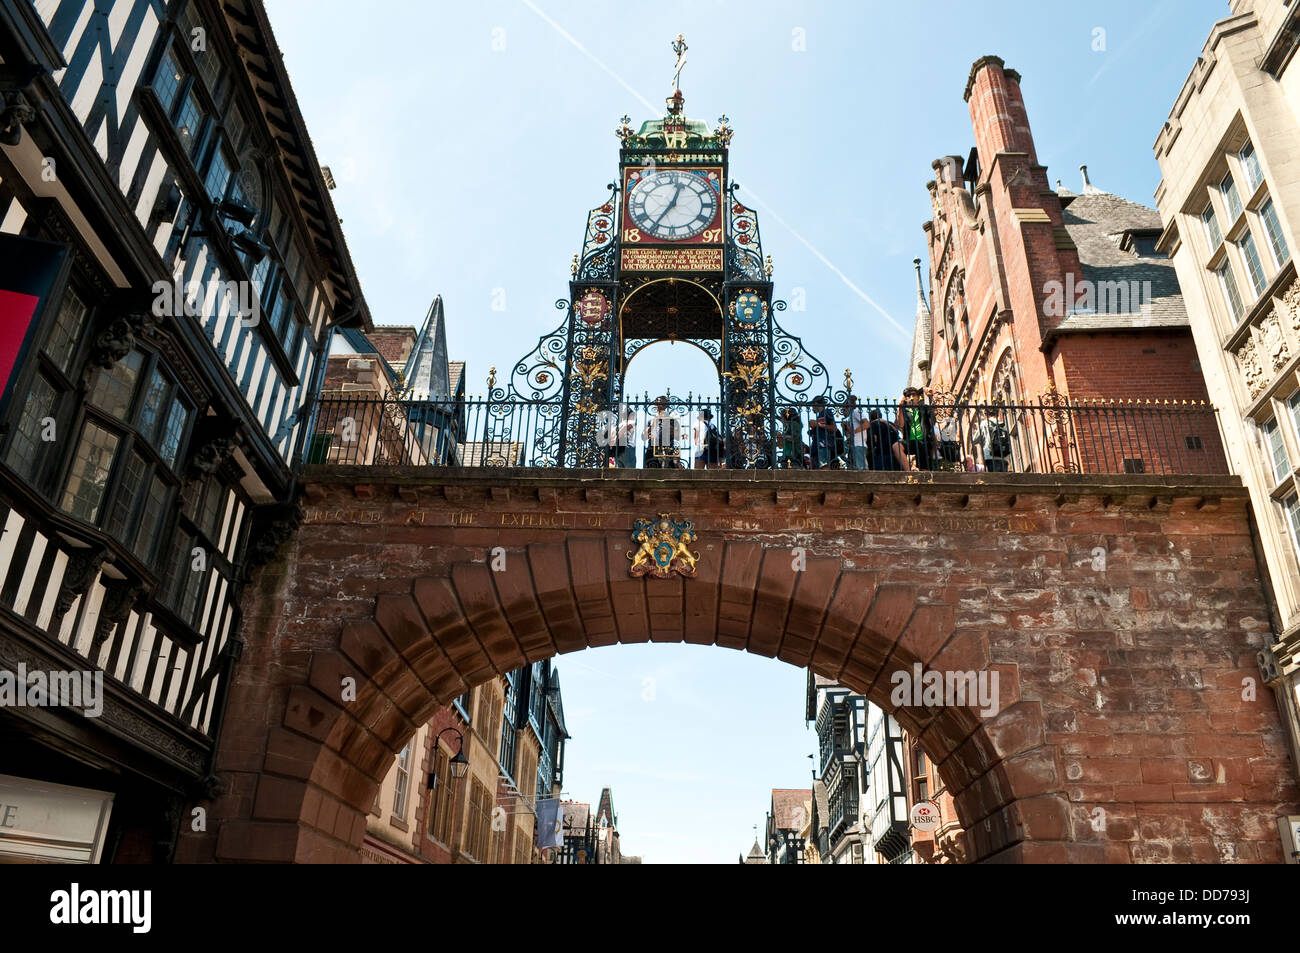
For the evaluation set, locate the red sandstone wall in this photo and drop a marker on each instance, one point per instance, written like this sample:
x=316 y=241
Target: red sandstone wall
x=1122 y=681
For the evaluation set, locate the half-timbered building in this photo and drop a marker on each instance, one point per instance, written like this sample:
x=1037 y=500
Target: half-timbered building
x=171 y=268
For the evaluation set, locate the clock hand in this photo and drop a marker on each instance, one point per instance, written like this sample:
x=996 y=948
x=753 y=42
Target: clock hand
x=671 y=205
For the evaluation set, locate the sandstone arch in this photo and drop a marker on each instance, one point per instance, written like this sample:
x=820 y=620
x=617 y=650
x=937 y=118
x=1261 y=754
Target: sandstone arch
x=388 y=583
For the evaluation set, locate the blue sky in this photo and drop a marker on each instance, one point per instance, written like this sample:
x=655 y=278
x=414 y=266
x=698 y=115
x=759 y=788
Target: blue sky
x=469 y=140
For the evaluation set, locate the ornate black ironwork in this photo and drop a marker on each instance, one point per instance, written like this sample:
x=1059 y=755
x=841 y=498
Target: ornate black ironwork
x=573 y=378
x=599 y=260
x=744 y=249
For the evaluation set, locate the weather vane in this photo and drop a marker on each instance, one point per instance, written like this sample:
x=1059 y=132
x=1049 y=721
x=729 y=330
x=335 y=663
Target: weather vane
x=679 y=47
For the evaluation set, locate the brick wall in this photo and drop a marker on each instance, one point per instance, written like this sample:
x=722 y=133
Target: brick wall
x=1122 y=681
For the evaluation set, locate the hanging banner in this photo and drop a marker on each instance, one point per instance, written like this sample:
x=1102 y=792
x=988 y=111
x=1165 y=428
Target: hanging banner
x=550 y=823
x=30 y=271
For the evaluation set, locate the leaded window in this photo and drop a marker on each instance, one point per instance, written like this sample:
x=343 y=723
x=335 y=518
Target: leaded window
x=1276 y=240
x=167 y=81
x=402 y=782
x=1250 y=164
x=24 y=453
x=1250 y=254
x=1231 y=199
x=1277 y=451
x=1231 y=294
x=1211 y=223
x=122 y=476
x=61 y=346
x=92 y=463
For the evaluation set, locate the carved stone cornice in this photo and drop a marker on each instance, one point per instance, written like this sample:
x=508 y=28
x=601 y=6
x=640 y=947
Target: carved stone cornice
x=213 y=446
x=83 y=565
x=272 y=527
x=119 y=599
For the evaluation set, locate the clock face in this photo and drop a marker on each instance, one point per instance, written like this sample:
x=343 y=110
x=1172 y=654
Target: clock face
x=672 y=205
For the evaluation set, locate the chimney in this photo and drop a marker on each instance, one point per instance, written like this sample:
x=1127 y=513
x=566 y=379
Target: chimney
x=997 y=110
x=1088 y=187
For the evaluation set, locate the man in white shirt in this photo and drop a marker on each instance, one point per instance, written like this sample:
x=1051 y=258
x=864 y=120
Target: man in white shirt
x=700 y=438
x=858 y=427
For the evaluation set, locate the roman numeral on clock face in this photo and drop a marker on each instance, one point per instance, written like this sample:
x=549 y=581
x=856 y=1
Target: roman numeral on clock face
x=672 y=205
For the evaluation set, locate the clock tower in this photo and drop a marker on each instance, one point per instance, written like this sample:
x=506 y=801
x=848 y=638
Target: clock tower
x=672 y=255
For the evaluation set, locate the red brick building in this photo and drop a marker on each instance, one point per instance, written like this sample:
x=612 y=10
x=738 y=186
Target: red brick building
x=1039 y=292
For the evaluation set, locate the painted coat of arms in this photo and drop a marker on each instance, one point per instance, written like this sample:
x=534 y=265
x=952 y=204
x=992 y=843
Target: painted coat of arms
x=663 y=547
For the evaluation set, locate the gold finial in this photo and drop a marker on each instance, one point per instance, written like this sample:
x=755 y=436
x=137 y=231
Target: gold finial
x=848 y=379
x=767 y=267
x=679 y=47
x=624 y=131
x=724 y=132
x=492 y=379
x=573 y=268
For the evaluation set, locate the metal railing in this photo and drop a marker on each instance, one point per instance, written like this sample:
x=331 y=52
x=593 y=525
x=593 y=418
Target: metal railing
x=1056 y=436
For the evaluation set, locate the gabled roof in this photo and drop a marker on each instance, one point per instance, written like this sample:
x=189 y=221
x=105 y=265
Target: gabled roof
x=575 y=814
x=605 y=809
x=269 y=80
x=786 y=802
x=1097 y=223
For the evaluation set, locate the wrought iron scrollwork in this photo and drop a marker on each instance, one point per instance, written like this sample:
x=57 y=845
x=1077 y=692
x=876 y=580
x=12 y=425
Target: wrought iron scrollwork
x=599 y=261
x=745 y=248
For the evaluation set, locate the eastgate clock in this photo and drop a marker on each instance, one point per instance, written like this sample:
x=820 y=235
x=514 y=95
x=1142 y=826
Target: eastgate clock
x=672 y=205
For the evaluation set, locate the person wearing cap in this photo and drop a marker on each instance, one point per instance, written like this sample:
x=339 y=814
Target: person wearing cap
x=793 y=456
x=916 y=424
x=661 y=437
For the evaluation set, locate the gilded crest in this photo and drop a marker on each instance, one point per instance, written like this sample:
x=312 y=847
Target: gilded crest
x=663 y=547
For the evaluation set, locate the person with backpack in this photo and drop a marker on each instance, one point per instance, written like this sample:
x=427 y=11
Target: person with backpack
x=707 y=442
x=916 y=424
x=822 y=431
x=994 y=440
x=885 y=444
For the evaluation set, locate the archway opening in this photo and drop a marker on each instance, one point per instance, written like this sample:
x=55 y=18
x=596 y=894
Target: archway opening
x=686 y=375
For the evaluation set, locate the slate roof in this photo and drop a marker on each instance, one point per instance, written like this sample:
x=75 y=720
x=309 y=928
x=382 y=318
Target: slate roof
x=455 y=371
x=1097 y=222
x=575 y=814
x=427 y=371
x=785 y=803
x=756 y=855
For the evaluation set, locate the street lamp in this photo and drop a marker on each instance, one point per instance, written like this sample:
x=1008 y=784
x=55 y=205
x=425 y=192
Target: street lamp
x=459 y=764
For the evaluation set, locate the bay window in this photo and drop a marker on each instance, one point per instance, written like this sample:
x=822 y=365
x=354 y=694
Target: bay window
x=122 y=476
